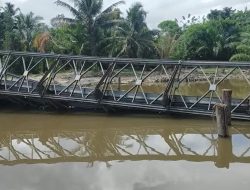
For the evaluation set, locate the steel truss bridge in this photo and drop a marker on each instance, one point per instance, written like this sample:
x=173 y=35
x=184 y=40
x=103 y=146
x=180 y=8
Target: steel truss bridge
x=185 y=87
x=27 y=145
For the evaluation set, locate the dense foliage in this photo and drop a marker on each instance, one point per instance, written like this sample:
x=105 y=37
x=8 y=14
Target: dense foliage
x=98 y=31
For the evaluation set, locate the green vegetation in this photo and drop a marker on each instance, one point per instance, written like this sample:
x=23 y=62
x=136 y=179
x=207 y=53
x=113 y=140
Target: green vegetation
x=97 y=31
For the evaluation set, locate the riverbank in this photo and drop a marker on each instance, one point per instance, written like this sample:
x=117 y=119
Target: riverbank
x=64 y=78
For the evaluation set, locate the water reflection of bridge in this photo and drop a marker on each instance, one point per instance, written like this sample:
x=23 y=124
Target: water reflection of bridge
x=196 y=144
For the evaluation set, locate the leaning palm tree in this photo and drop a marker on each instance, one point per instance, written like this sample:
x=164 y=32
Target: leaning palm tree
x=89 y=14
x=27 y=27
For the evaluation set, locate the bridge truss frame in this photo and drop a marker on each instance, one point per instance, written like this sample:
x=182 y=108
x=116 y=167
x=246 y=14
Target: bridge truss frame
x=118 y=83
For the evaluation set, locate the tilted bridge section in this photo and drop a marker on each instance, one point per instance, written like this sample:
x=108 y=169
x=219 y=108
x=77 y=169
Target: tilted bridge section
x=186 y=87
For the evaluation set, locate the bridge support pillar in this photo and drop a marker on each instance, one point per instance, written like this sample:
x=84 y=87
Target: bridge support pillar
x=227 y=100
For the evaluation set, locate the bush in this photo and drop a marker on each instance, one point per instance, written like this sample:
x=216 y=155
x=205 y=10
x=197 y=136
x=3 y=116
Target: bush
x=240 y=57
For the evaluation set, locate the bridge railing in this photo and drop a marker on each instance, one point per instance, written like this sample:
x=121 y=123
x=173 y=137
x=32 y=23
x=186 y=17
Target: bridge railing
x=199 y=85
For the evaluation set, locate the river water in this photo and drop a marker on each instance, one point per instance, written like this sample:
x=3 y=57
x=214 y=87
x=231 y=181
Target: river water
x=102 y=152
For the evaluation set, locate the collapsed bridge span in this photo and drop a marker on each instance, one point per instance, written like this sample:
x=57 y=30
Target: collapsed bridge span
x=65 y=81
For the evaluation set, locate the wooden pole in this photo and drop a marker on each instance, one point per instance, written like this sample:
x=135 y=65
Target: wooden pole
x=221 y=119
x=224 y=152
x=119 y=83
x=227 y=100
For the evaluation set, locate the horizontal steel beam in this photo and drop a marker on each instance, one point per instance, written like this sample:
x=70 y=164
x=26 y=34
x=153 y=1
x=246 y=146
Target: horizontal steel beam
x=131 y=60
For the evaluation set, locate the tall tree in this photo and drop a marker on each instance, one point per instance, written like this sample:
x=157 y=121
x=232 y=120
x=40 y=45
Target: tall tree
x=133 y=37
x=211 y=40
x=166 y=44
x=189 y=20
x=199 y=40
x=169 y=34
x=170 y=27
x=89 y=14
x=8 y=25
x=2 y=28
x=226 y=13
x=227 y=34
x=68 y=39
x=243 y=48
x=28 y=26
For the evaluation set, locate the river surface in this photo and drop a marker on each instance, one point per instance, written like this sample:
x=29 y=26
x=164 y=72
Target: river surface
x=124 y=152
x=240 y=88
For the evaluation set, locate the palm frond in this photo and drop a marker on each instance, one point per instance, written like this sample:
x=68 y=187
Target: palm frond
x=69 y=7
x=111 y=7
x=62 y=20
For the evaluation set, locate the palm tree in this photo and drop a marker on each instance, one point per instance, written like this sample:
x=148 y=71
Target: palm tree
x=10 y=9
x=243 y=48
x=27 y=27
x=1 y=26
x=8 y=24
x=166 y=44
x=228 y=34
x=132 y=37
x=89 y=14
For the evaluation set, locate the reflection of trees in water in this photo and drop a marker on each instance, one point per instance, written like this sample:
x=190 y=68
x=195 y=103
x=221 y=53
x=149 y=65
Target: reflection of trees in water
x=103 y=143
x=100 y=144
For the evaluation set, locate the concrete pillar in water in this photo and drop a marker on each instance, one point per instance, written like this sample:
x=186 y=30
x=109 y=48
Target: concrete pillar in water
x=227 y=100
x=221 y=120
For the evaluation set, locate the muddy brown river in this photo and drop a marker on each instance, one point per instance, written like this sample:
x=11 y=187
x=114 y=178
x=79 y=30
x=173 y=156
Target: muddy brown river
x=240 y=88
x=123 y=152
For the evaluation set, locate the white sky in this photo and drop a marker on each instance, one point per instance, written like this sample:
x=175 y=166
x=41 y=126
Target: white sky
x=158 y=10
